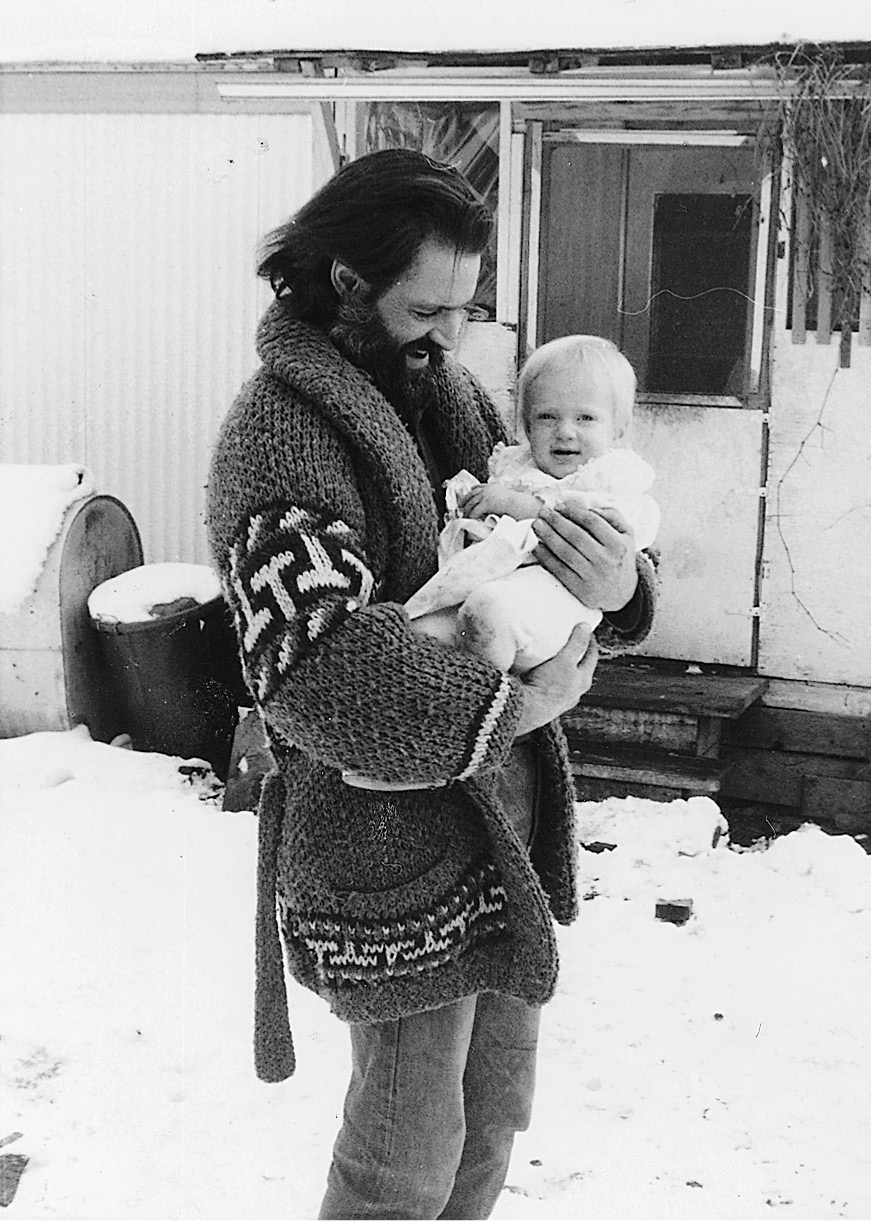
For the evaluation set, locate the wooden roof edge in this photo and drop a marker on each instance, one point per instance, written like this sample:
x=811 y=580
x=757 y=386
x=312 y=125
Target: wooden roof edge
x=543 y=59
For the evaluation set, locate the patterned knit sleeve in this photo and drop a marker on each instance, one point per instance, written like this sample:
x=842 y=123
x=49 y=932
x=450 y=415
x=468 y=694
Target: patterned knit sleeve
x=345 y=678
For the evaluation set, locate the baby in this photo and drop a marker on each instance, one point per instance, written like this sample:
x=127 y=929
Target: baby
x=576 y=396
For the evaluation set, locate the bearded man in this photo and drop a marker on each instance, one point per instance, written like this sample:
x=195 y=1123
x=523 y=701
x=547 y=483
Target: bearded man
x=421 y=907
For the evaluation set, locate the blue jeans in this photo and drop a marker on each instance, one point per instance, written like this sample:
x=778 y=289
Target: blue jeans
x=430 y=1116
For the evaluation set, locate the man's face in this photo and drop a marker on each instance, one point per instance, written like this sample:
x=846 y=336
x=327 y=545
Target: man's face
x=423 y=311
x=400 y=336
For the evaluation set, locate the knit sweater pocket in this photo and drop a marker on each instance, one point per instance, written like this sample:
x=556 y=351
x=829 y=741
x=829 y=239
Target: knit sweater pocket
x=395 y=884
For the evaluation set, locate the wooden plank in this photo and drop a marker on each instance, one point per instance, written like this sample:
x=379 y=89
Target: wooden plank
x=825 y=278
x=530 y=221
x=809 y=732
x=314 y=68
x=589 y=789
x=503 y=214
x=778 y=777
x=580 y=268
x=864 y=336
x=834 y=699
x=800 y=265
x=709 y=737
x=650 y=767
x=589 y=725
x=846 y=803
x=717 y=695
x=715 y=113
x=759 y=317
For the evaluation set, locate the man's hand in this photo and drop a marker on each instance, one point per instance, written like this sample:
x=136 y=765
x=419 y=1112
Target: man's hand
x=591 y=551
x=489 y=498
x=556 y=685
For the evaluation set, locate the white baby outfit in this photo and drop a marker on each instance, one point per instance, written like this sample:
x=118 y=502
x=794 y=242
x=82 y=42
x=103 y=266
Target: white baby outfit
x=541 y=611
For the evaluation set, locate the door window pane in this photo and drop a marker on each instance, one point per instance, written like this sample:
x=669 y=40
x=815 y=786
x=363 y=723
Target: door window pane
x=699 y=289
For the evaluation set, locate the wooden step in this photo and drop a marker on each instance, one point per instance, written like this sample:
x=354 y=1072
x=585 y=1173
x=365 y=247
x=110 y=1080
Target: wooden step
x=658 y=769
x=600 y=728
x=723 y=696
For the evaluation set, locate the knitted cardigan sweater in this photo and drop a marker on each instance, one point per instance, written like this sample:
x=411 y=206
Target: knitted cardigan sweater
x=322 y=523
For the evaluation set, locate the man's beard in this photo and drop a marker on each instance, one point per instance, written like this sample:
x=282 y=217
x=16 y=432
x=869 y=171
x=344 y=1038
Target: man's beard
x=360 y=333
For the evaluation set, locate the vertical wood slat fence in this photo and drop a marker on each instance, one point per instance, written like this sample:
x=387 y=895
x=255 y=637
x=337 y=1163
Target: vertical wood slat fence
x=813 y=274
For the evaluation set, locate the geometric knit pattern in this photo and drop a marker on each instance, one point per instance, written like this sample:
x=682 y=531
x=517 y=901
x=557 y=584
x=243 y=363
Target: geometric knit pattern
x=347 y=951
x=292 y=578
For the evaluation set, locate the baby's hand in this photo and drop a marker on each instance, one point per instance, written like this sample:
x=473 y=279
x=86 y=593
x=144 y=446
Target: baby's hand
x=489 y=498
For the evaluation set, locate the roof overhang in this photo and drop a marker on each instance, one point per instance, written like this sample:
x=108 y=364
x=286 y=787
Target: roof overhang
x=176 y=31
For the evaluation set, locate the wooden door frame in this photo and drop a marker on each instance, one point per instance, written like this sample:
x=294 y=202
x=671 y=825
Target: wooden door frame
x=762 y=279
x=531 y=228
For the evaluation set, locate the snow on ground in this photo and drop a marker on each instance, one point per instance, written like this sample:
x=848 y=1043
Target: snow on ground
x=718 y=1068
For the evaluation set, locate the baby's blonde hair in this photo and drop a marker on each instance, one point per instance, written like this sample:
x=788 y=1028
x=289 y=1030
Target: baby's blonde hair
x=583 y=353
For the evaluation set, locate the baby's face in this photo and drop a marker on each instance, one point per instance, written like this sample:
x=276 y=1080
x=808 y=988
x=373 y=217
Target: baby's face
x=571 y=419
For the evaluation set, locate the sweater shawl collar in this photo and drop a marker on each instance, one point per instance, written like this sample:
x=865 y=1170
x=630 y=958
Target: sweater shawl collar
x=304 y=357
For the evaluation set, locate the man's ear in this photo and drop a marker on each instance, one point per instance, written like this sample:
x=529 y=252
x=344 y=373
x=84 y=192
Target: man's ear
x=345 y=279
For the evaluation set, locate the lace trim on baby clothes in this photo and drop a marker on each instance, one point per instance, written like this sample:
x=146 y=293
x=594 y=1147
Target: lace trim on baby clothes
x=510 y=463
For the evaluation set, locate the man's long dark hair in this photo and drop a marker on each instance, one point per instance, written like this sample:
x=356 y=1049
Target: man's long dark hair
x=372 y=215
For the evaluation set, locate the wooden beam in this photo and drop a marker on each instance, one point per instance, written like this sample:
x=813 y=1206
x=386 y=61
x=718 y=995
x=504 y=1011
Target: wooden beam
x=846 y=803
x=658 y=768
x=716 y=695
x=709 y=737
x=814 y=733
x=588 y=727
x=503 y=220
x=627 y=115
x=314 y=68
x=589 y=789
x=864 y=336
x=834 y=699
x=529 y=234
x=778 y=777
x=825 y=279
x=800 y=265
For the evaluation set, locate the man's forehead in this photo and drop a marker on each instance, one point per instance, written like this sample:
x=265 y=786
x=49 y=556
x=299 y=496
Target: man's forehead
x=439 y=273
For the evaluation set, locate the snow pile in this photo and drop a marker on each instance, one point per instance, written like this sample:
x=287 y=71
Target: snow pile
x=152 y=590
x=33 y=503
x=716 y=1069
x=675 y=828
x=47 y=760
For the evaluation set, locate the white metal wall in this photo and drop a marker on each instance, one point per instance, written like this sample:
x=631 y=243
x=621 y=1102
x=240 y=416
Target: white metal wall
x=128 y=299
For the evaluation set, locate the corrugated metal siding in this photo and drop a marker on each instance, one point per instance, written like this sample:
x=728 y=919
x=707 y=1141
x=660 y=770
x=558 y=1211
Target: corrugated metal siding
x=128 y=299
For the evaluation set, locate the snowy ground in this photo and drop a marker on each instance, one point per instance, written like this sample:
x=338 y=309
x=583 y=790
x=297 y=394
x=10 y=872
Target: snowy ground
x=716 y=1069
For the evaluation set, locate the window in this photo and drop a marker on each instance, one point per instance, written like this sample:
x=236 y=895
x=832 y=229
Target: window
x=656 y=246
x=699 y=278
